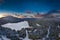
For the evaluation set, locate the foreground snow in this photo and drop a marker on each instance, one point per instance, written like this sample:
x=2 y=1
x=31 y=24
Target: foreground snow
x=4 y=38
x=26 y=38
x=17 y=26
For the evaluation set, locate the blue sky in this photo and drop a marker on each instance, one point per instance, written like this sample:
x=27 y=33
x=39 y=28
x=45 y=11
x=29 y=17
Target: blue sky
x=32 y=5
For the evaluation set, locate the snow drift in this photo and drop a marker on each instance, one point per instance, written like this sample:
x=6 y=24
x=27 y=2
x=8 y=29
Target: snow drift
x=17 y=26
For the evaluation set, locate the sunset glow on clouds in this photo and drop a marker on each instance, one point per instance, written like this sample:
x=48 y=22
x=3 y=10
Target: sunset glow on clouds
x=3 y=14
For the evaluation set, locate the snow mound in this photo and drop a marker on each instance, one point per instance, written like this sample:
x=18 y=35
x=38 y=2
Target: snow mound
x=17 y=26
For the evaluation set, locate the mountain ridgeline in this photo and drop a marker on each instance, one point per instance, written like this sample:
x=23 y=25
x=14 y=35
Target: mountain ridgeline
x=50 y=16
x=11 y=19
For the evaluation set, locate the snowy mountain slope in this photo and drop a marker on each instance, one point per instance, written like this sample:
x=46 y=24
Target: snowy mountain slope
x=16 y=26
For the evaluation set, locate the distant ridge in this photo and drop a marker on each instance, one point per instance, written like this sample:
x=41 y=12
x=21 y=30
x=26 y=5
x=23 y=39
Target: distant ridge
x=11 y=19
x=53 y=11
